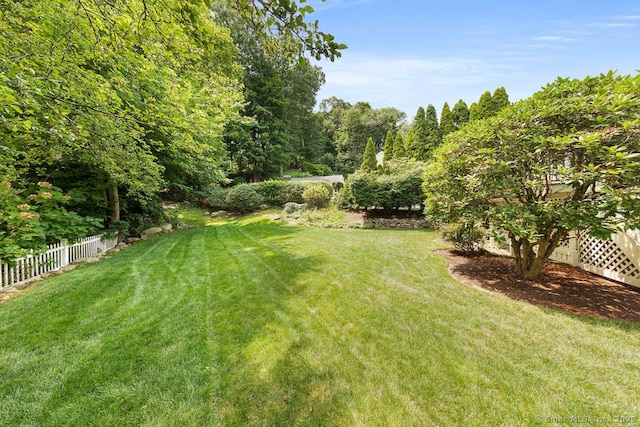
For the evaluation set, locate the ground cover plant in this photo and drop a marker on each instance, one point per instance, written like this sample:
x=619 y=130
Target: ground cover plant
x=252 y=322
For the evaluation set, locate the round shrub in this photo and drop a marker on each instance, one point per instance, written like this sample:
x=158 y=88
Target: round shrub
x=243 y=198
x=214 y=198
x=272 y=192
x=316 y=195
x=292 y=191
x=466 y=237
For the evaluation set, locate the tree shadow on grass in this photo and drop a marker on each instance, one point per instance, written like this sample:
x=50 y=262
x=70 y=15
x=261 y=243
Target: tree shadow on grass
x=268 y=371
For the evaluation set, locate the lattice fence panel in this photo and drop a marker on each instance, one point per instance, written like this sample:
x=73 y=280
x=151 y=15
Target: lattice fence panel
x=606 y=255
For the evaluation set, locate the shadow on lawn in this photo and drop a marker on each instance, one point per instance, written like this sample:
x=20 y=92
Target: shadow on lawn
x=269 y=373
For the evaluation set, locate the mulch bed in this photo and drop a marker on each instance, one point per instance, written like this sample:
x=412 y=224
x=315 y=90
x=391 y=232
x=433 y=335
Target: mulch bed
x=559 y=286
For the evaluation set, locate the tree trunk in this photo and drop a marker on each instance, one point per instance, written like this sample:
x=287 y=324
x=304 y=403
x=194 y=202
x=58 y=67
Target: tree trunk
x=529 y=262
x=114 y=202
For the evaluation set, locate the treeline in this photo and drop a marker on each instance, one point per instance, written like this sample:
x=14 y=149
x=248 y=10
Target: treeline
x=397 y=182
x=107 y=107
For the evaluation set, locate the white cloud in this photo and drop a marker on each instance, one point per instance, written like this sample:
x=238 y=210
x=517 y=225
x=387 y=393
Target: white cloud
x=404 y=83
x=552 y=39
x=611 y=24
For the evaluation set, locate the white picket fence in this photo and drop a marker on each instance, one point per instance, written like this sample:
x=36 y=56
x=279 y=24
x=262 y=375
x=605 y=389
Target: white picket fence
x=617 y=258
x=59 y=255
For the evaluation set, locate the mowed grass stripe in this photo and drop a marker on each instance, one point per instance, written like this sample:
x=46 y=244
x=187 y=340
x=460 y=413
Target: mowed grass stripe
x=255 y=323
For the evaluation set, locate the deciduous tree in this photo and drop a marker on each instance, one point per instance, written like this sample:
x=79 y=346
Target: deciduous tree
x=568 y=158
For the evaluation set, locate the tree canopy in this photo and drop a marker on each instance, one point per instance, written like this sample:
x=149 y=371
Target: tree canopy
x=568 y=158
x=133 y=97
x=352 y=125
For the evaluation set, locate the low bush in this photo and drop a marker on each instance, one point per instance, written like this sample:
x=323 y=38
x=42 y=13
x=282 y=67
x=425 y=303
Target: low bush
x=316 y=195
x=28 y=223
x=343 y=198
x=272 y=192
x=466 y=237
x=243 y=198
x=214 y=198
x=292 y=191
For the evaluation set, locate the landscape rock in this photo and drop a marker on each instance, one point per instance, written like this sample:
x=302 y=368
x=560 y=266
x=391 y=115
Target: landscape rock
x=134 y=239
x=396 y=223
x=150 y=232
x=166 y=227
x=219 y=214
x=292 y=207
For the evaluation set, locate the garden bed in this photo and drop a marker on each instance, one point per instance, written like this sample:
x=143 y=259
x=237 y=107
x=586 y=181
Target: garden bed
x=560 y=286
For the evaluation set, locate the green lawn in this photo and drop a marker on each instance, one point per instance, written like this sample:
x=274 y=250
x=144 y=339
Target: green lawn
x=250 y=322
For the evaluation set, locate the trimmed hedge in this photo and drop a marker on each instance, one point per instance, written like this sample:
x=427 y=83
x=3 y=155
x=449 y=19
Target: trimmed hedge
x=241 y=198
x=392 y=189
x=277 y=193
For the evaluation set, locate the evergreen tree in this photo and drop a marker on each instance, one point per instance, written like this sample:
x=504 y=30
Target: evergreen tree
x=388 y=147
x=473 y=111
x=499 y=100
x=434 y=136
x=398 y=146
x=419 y=129
x=446 y=121
x=369 y=162
x=485 y=106
x=460 y=114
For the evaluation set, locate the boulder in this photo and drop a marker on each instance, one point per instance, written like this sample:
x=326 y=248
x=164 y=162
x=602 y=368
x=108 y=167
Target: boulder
x=292 y=207
x=396 y=223
x=166 y=227
x=219 y=214
x=150 y=232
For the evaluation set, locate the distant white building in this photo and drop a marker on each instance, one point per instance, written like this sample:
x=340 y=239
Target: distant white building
x=331 y=179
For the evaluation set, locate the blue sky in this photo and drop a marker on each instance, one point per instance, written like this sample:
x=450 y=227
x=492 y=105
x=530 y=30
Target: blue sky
x=411 y=53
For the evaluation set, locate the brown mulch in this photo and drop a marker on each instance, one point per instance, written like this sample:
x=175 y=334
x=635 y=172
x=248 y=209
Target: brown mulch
x=559 y=286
